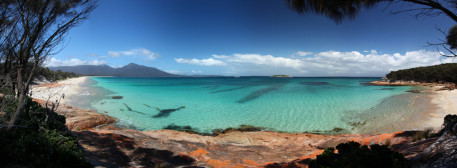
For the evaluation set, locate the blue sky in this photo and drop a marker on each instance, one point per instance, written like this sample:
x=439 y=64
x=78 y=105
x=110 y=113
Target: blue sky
x=250 y=37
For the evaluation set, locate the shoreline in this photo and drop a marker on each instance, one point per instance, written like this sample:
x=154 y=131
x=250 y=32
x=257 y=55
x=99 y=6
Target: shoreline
x=229 y=149
x=61 y=90
x=431 y=104
x=439 y=101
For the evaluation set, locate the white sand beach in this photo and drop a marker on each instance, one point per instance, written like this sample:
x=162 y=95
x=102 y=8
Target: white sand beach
x=62 y=90
x=445 y=103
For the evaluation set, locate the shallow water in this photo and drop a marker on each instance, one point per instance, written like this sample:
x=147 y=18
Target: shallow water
x=280 y=104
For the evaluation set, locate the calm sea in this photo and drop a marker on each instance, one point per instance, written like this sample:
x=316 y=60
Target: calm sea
x=279 y=104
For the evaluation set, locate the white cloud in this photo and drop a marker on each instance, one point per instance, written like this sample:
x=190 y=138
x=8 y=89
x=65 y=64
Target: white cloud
x=196 y=72
x=328 y=63
x=303 y=53
x=173 y=71
x=135 y=52
x=72 y=62
x=204 y=62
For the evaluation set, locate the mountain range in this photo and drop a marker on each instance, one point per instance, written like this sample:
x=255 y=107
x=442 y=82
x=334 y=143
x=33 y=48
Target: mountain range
x=130 y=70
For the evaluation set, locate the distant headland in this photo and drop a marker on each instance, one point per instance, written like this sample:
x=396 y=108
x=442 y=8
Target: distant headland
x=281 y=76
x=130 y=70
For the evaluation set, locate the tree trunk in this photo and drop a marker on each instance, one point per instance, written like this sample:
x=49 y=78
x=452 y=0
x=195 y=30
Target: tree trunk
x=20 y=94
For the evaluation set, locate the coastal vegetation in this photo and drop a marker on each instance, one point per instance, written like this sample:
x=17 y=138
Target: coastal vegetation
x=436 y=73
x=31 y=31
x=53 y=76
x=352 y=154
x=39 y=138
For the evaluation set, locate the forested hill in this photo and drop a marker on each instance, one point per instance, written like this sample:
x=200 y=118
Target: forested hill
x=436 y=73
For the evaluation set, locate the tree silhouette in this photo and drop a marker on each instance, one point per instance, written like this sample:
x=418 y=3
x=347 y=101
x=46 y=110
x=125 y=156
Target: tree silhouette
x=31 y=31
x=337 y=10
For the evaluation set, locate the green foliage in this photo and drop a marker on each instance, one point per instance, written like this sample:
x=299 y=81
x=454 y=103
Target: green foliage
x=427 y=133
x=437 y=73
x=352 y=155
x=40 y=148
x=54 y=75
x=40 y=138
x=335 y=10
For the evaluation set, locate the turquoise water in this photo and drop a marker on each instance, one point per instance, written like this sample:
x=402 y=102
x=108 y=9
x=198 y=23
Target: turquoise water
x=281 y=104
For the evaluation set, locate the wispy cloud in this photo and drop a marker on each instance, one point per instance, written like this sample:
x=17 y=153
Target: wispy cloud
x=196 y=72
x=173 y=71
x=328 y=63
x=142 y=52
x=72 y=62
x=303 y=53
x=204 y=62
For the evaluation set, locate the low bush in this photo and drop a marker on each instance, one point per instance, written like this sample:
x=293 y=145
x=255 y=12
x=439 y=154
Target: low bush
x=39 y=138
x=352 y=155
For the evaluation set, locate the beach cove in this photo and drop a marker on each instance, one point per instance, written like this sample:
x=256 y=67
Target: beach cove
x=314 y=105
x=290 y=146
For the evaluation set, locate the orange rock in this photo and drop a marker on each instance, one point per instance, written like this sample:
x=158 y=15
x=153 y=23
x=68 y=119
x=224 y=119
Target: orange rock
x=251 y=162
x=221 y=163
x=312 y=156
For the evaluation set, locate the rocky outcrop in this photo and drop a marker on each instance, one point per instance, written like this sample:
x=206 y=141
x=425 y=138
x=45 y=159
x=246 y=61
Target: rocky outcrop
x=442 y=152
x=233 y=149
x=110 y=146
x=444 y=86
x=80 y=119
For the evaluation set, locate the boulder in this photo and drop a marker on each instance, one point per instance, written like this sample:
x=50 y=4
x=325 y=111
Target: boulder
x=117 y=97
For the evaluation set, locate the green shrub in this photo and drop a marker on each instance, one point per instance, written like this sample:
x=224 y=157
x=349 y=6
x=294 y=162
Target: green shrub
x=352 y=155
x=37 y=142
x=427 y=133
x=435 y=73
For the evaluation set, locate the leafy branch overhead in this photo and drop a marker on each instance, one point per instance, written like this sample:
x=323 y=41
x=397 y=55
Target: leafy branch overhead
x=338 y=10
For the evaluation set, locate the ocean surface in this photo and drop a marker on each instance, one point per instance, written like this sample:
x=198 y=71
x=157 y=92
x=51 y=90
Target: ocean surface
x=325 y=105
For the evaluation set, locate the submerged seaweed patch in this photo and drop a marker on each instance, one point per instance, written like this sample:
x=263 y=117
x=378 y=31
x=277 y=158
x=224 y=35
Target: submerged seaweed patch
x=315 y=83
x=357 y=125
x=259 y=93
x=214 y=132
x=366 y=84
x=227 y=90
x=186 y=128
x=130 y=109
x=336 y=130
x=166 y=112
x=385 y=89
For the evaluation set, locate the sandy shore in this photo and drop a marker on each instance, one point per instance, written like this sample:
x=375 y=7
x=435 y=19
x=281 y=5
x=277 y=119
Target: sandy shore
x=430 y=108
x=445 y=103
x=245 y=149
x=62 y=90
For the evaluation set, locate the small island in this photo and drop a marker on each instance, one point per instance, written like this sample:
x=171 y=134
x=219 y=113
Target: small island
x=281 y=76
